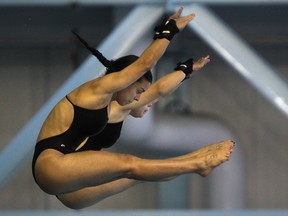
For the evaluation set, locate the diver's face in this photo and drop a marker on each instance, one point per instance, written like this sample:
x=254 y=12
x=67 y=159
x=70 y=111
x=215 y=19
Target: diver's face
x=132 y=92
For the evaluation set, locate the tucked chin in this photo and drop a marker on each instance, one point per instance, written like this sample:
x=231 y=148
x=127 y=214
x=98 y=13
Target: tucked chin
x=122 y=103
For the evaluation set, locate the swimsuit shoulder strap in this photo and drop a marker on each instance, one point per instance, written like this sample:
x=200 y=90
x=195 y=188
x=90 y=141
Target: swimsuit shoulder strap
x=69 y=100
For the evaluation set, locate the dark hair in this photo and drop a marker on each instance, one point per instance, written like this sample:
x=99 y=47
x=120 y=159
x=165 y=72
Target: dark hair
x=122 y=62
x=115 y=65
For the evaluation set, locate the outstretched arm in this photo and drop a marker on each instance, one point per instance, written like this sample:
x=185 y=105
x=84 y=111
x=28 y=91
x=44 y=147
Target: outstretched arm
x=165 y=85
x=116 y=81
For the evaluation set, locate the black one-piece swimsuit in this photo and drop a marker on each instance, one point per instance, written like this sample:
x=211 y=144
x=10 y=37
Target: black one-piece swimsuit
x=86 y=123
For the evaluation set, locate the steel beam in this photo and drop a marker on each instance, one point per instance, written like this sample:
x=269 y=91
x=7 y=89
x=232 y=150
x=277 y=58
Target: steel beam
x=240 y=55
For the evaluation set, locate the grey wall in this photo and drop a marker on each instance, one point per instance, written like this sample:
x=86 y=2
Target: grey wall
x=37 y=53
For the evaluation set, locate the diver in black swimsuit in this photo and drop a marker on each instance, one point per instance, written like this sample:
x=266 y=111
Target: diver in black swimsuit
x=79 y=177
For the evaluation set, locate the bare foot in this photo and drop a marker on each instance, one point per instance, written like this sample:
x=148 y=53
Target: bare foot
x=208 y=148
x=212 y=156
x=212 y=147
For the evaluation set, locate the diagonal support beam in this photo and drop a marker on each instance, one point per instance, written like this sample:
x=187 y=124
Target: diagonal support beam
x=116 y=44
x=241 y=56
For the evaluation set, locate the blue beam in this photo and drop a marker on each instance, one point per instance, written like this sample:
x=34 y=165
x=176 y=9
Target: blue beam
x=241 y=56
